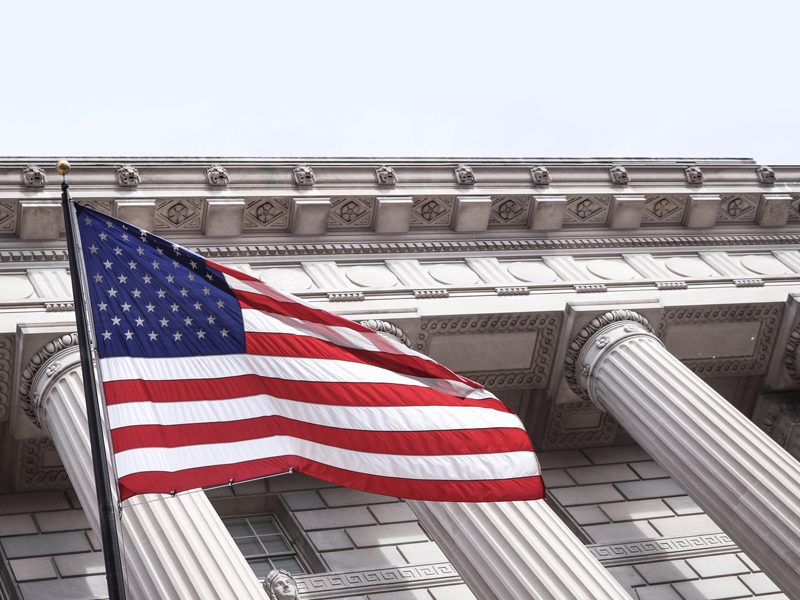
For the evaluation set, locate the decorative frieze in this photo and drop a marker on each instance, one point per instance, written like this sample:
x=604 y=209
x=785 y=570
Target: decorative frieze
x=266 y=213
x=354 y=212
x=738 y=207
x=586 y=209
x=128 y=176
x=432 y=211
x=664 y=208
x=179 y=214
x=6 y=346
x=510 y=210
x=674 y=548
x=8 y=216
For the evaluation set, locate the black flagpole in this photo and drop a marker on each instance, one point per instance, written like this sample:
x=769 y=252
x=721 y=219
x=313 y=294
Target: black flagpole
x=105 y=504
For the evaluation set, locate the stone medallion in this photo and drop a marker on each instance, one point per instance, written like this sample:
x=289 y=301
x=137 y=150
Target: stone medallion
x=533 y=272
x=288 y=279
x=453 y=274
x=372 y=276
x=611 y=269
x=764 y=265
x=689 y=266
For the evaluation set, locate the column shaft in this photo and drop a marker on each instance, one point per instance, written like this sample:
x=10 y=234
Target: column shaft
x=173 y=547
x=748 y=484
x=516 y=551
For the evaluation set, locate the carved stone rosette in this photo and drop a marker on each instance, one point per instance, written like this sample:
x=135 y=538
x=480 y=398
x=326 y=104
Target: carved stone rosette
x=128 y=176
x=33 y=176
x=34 y=379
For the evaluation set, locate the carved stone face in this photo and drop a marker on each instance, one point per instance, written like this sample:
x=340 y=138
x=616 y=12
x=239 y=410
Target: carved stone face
x=283 y=587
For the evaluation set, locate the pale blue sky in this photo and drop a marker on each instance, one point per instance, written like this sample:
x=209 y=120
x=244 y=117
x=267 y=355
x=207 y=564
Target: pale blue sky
x=403 y=78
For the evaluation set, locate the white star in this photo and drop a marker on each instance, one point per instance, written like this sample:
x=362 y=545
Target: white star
x=103 y=236
x=184 y=292
x=102 y=306
x=193 y=264
x=125 y=307
x=140 y=251
x=153 y=336
x=211 y=319
x=93 y=249
x=149 y=307
x=106 y=335
x=115 y=320
x=109 y=224
x=190 y=276
x=177 y=336
x=164 y=322
x=209 y=276
x=87 y=220
x=117 y=250
x=197 y=306
x=98 y=278
x=136 y=293
x=220 y=303
x=224 y=332
x=122 y=279
x=155 y=264
x=170 y=277
x=175 y=264
x=161 y=293
x=201 y=334
x=132 y=265
x=125 y=237
x=176 y=249
x=147 y=279
x=174 y=307
x=112 y=293
x=188 y=321
x=139 y=321
x=160 y=250
x=206 y=291
x=107 y=264
x=128 y=335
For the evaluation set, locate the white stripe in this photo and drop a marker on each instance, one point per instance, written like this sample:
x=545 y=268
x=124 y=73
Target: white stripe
x=450 y=467
x=368 y=418
x=280 y=367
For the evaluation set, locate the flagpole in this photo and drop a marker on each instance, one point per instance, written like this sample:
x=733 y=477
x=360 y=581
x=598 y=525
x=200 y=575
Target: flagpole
x=105 y=503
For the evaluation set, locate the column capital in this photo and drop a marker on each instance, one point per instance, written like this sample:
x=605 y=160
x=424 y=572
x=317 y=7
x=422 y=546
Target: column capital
x=51 y=360
x=388 y=328
x=614 y=325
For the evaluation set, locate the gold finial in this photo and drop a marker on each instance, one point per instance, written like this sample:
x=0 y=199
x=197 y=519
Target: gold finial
x=63 y=167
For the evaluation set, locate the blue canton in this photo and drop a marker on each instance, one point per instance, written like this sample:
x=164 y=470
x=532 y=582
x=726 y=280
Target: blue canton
x=150 y=297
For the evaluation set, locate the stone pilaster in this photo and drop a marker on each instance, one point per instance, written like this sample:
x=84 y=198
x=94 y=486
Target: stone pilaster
x=516 y=551
x=173 y=547
x=748 y=484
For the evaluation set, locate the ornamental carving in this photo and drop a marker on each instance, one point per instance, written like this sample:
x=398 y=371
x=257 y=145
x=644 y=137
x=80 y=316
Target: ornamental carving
x=464 y=175
x=779 y=417
x=509 y=210
x=29 y=400
x=586 y=209
x=571 y=367
x=351 y=212
x=432 y=211
x=386 y=175
x=766 y=175
x=33 y=176
x=128 y=176
x=545 y=326
x=179 y=214
x=38 y=466
x=217 y=176
x=578 y=424
x=768 y=315
x=8 y=216
x=280 y=585
x=387 y=328
x=673 y=548
x=661 y=208
x=619 y=175
x=540 y=175
x=266 y=213
x=304 y=176
x=6 y=345
x=794 y=208
x=738 y=207
x=694 y=175
x=790 y=354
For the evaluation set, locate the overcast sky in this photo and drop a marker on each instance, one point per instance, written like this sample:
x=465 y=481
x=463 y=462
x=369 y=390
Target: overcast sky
x=402 y=78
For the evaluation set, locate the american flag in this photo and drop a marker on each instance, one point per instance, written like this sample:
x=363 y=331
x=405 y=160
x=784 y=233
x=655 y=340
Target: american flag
x=210 y=377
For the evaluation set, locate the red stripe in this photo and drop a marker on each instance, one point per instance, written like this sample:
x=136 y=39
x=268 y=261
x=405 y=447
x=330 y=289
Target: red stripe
x=497 y=490
x=339 y=394
x=286 y=344
x=450 y=441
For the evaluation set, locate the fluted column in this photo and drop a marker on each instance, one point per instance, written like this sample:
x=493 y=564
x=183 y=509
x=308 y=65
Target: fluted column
x=173 y=547
x=748 y=484
x=516 y=551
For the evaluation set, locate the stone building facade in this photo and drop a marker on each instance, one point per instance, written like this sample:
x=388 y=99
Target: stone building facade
x=641 y=317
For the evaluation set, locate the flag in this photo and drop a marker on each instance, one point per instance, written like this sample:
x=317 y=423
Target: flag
x=210 y=376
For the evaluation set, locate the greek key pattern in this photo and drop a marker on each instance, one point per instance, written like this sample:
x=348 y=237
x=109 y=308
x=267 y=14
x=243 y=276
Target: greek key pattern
x=336 y=585
x=662 y=549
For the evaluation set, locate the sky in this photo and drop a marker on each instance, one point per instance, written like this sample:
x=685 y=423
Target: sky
x=402 y=78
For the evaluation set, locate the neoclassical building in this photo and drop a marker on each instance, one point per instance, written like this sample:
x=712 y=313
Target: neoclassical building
x=642 y=316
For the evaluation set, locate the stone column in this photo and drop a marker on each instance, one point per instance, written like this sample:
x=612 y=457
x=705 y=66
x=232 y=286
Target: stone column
x=516 y=551
x=173 y=547
x=748 y=484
